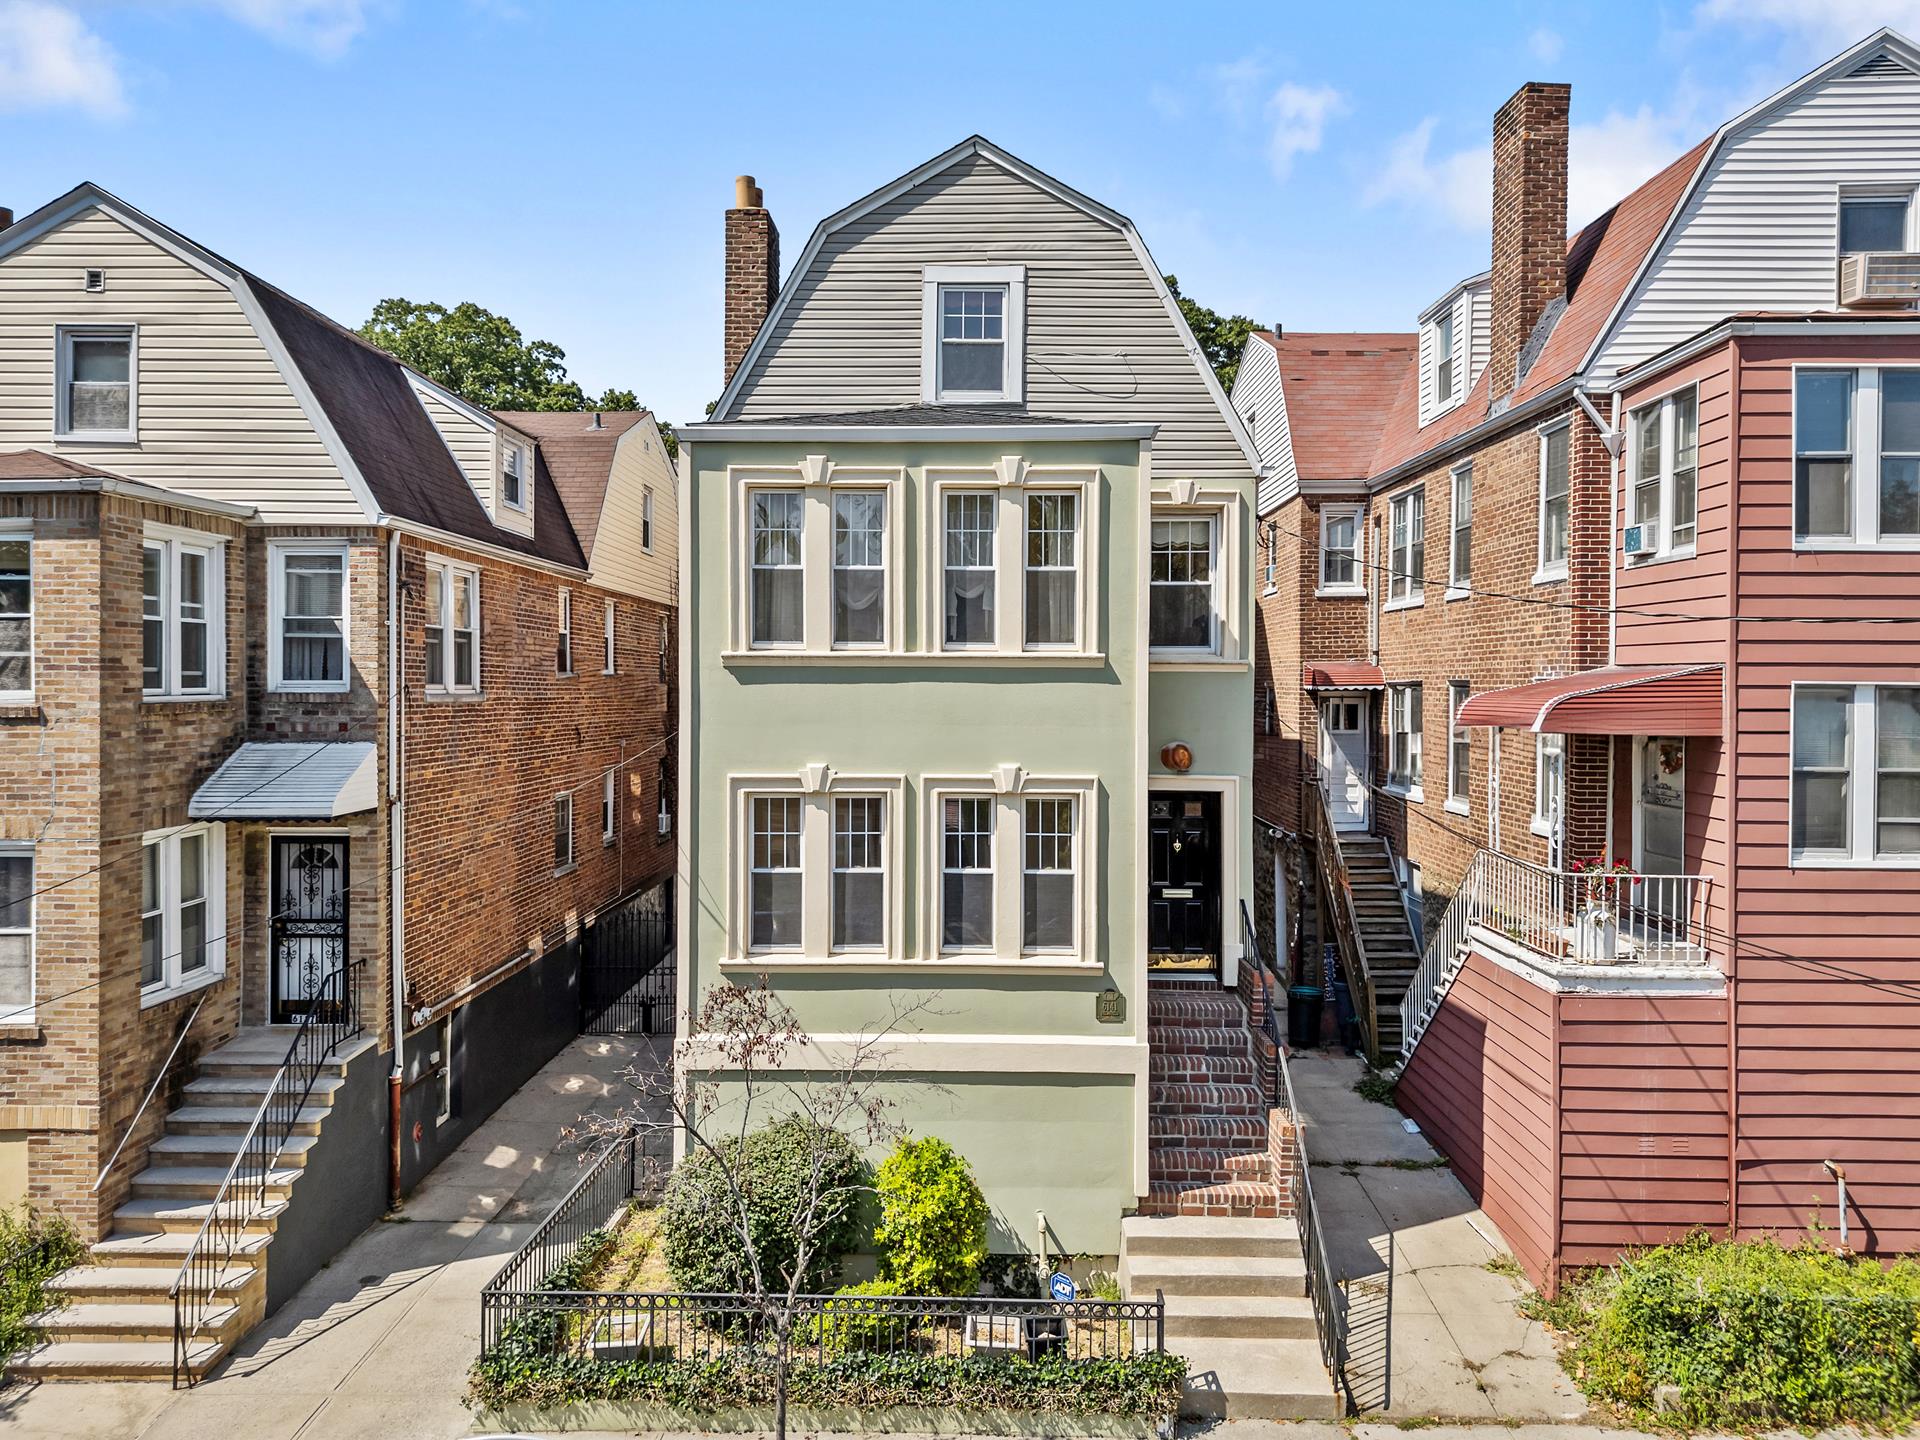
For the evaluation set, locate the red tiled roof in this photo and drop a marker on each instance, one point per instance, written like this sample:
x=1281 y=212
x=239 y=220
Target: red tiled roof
x=1601 y=262
x=579 y=457
x=1338 y=388
x=1619 y=700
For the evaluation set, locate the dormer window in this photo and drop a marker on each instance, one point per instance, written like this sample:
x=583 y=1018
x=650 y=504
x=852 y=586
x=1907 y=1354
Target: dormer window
x=973 y=334
x=1874 y=224
x=514 y=465
x=1443 y=358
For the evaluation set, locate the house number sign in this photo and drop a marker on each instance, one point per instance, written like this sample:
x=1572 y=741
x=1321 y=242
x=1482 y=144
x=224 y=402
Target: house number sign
x=1110 y=1007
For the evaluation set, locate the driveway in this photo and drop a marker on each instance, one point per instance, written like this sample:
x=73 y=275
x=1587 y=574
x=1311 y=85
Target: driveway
x=376 y=1345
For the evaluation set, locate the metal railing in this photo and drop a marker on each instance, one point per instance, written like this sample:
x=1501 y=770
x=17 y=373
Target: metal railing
x=627 y=980
x=1329 y=1300
x=1439 y=959
x=159 y=1076
x=1338 y=886
x=1256 y=976
x=610 y=1179
x=209 y=1278
x=1595 y=916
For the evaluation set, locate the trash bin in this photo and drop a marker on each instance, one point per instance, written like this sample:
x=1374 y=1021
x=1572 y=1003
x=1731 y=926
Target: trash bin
x=1345 y=1016
x=1304 y=1006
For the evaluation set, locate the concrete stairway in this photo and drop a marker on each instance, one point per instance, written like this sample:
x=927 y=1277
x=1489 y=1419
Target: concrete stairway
x=1237 y=1309
x=1206 y=1115
x=1381 y=912
x=115 y=1319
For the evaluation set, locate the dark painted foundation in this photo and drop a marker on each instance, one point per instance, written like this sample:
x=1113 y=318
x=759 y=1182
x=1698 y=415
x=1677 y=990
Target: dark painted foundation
x=342 y=1189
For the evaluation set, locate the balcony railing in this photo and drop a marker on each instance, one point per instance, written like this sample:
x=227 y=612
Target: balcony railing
x=1594 y=917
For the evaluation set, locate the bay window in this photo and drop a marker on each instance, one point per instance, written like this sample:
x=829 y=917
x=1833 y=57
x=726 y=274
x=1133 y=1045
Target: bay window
x=1182 y=584
x=308 y=616
x=1404 y=722
x=452 y=627
x=182 y=909
x=1556 y=490
x=859 y=567
x=1855 y=795
x=968 y=573
x=16 y=933
x=16 y=616
x=1407 y=543
x=777 y=584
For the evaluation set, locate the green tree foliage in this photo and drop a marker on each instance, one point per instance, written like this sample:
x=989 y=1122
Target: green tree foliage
x=932 y=1236
x=775 y=1170
x=34 y=1247
x=482 y=357
x=1221 y=338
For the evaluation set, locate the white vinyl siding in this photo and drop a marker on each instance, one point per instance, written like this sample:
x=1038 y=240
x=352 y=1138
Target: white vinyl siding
x=1761 y=231
x=217 y=418
x=468 y=441
x=1453 y=347
x=1259 y=396
x=1112 y=352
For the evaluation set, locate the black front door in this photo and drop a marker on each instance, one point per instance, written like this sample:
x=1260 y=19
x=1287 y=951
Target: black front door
x=309 y=926
x=1183 y=880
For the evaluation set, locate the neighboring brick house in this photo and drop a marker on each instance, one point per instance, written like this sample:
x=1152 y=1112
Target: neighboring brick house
x=312 y=677
x=1645 y=499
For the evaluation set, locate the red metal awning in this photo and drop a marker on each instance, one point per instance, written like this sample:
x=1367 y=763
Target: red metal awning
x=1342 y=675
x=1619 y=700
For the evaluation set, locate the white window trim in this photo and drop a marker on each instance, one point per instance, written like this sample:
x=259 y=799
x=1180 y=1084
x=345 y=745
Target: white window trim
x=1546 y=573
x=1459 y=586
x=609 y=806
x=816 y=787
x=609 y=642
x=1010 y=790
x=1843 y=193
x=23 y=530
x=1323 y=589
x=1413 y=791
x=1541 y=823
x=563 y=629
x=1216 y=583
x=172 y=984
x=1010 y=482
x=277 y=553
x=173 y=541
x=572 y=860
x=1014 y=279
x=646 y=519
x=1230 y=579
x=1079 y=571
x=1662 y=407
x=1462 y=803
x=1416 y=595
x=1863 y=789
x=63 y=336
x=1459 y=317
x=24 y=1015
x=890 y=523
x=1866 y=463
x=440 y=572
x=510 y=447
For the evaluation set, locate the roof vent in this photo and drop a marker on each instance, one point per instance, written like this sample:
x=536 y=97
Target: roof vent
x=96 y=281
x=596 y=421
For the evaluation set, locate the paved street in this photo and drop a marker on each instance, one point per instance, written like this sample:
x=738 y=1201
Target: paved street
x=1433 y=1332
x=377 y=1345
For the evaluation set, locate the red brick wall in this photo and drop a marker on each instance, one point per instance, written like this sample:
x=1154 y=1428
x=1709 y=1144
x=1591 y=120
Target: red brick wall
x=1529 y=220
x=753 y=277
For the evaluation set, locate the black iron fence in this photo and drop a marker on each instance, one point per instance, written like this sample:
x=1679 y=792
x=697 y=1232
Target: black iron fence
x=627 y=968
x=540 y=1304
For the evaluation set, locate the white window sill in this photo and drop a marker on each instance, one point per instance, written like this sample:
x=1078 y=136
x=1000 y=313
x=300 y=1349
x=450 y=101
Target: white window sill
x=564 y=675
x=1552 y=576
x=972 y=397
x=1172 y=662
x=309 y=689
x=1405 y=602
x=607 y=672
x=1456 y=592
x=1848 y=862
x=159 y=994
x=566 y=869
x=97 y=437
x=1540 y=827
x=439 y=695
x=944 y=965
x=1413 y=796
x=1456 y=807
x=1340 y=592
x=1642 y=562
x=607 y=841
x=161 y=697
x=913 y=657
x=16 y=697
x=1842 y=544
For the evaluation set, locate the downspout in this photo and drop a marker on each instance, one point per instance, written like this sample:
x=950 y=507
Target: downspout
x=1729 y=747
x=396 y=886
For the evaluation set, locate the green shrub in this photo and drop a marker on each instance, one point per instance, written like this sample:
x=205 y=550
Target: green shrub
x=856 y=1322
x=699 y=1225
x=932 y=1236
x=1733 y=1335
x=34 y=1247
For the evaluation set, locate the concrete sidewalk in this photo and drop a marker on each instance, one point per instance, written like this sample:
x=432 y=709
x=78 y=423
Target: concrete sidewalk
x=1431 y=1330
x=376 y=1345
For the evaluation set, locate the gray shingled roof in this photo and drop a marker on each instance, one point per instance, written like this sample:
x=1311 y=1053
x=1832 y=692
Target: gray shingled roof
x=917 y=415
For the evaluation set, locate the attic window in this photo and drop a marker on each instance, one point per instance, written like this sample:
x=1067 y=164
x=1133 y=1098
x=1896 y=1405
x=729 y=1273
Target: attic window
x=1871 y=224
x=973 y=332
x=1443 y=358
x=513 y=475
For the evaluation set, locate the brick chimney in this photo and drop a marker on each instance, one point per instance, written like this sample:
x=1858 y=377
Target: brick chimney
x=753 y=269
x=1529 y=221
x=6 y=217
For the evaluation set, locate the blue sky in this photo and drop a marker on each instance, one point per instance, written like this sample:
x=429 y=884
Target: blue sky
x=1320 y=166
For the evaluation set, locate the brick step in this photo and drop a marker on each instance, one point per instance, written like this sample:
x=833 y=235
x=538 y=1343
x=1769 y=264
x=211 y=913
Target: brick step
x=1210 y=1010
x=1169 y=1069
x=1189 y=1098
x=1217 y=1200
x=1217 y=1132
x=1200 y=1164
x=1197 y=1040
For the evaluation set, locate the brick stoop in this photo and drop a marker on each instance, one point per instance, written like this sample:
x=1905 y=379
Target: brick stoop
x=1209 y=1132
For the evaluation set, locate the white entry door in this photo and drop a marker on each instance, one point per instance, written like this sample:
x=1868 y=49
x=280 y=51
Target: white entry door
x=1343 y=726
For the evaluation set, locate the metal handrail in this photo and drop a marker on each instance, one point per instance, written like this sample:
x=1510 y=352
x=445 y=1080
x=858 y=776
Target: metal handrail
x=1437 y=961
x=332 y=1016
x=158 y=1076
x=1329 y=1301
x=1276 y=992
x=1346 y=929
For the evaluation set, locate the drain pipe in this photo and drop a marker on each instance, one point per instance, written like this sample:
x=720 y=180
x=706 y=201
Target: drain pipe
x=1840 y=1184
x=396 y=878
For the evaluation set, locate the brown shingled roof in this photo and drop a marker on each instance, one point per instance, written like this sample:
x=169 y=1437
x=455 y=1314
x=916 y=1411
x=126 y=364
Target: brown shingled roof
x=579 y=457
x=1602 y=260
x=1338 y=389
x=39 y=465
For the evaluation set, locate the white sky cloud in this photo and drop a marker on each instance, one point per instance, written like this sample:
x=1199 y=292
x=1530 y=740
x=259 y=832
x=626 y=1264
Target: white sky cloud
x=1298 y=115
x=49 y=59
x=325 y=28
x=1545 y=45
x=1830 y=24
x=1457 y=187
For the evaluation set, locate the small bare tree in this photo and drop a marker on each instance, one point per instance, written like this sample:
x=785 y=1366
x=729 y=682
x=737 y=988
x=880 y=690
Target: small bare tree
x=732 y=1075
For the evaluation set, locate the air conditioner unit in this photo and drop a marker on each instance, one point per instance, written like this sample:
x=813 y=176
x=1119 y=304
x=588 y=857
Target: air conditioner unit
x=1642 y=539
x=1886 y=277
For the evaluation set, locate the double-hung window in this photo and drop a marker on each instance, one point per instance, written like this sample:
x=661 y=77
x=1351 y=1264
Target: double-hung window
x=1053 y=571
x=1181 y=584
x=973 y=334
x=182 y=893
x=774 y=876
x=646 y=519
x=563 y=831
x=1549 y=787
x=1443 y=359
x=608 y=618
x=308 y=651
x=860 y=567
x=1856 y=456
x=16 y=933
x=859 y=897
x=1666 y=467
x=1460 y=551
x=966 y=872
x=609 y=806
x=16 y=616
x=1048 y=874
x=1403 y=738
x=1340 y=543
x=181 y=616
x=1459 y=748
x=453 y=627
x=1856 y=774
x=1555 y=501
x=968 y=583
x=96 y=382
x=563 y=635
x=778 y=600
x=1407 y=544
x=514 y=467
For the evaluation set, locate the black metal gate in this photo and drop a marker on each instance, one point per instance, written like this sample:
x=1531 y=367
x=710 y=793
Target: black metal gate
x=627 y=968
x=309 y=922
